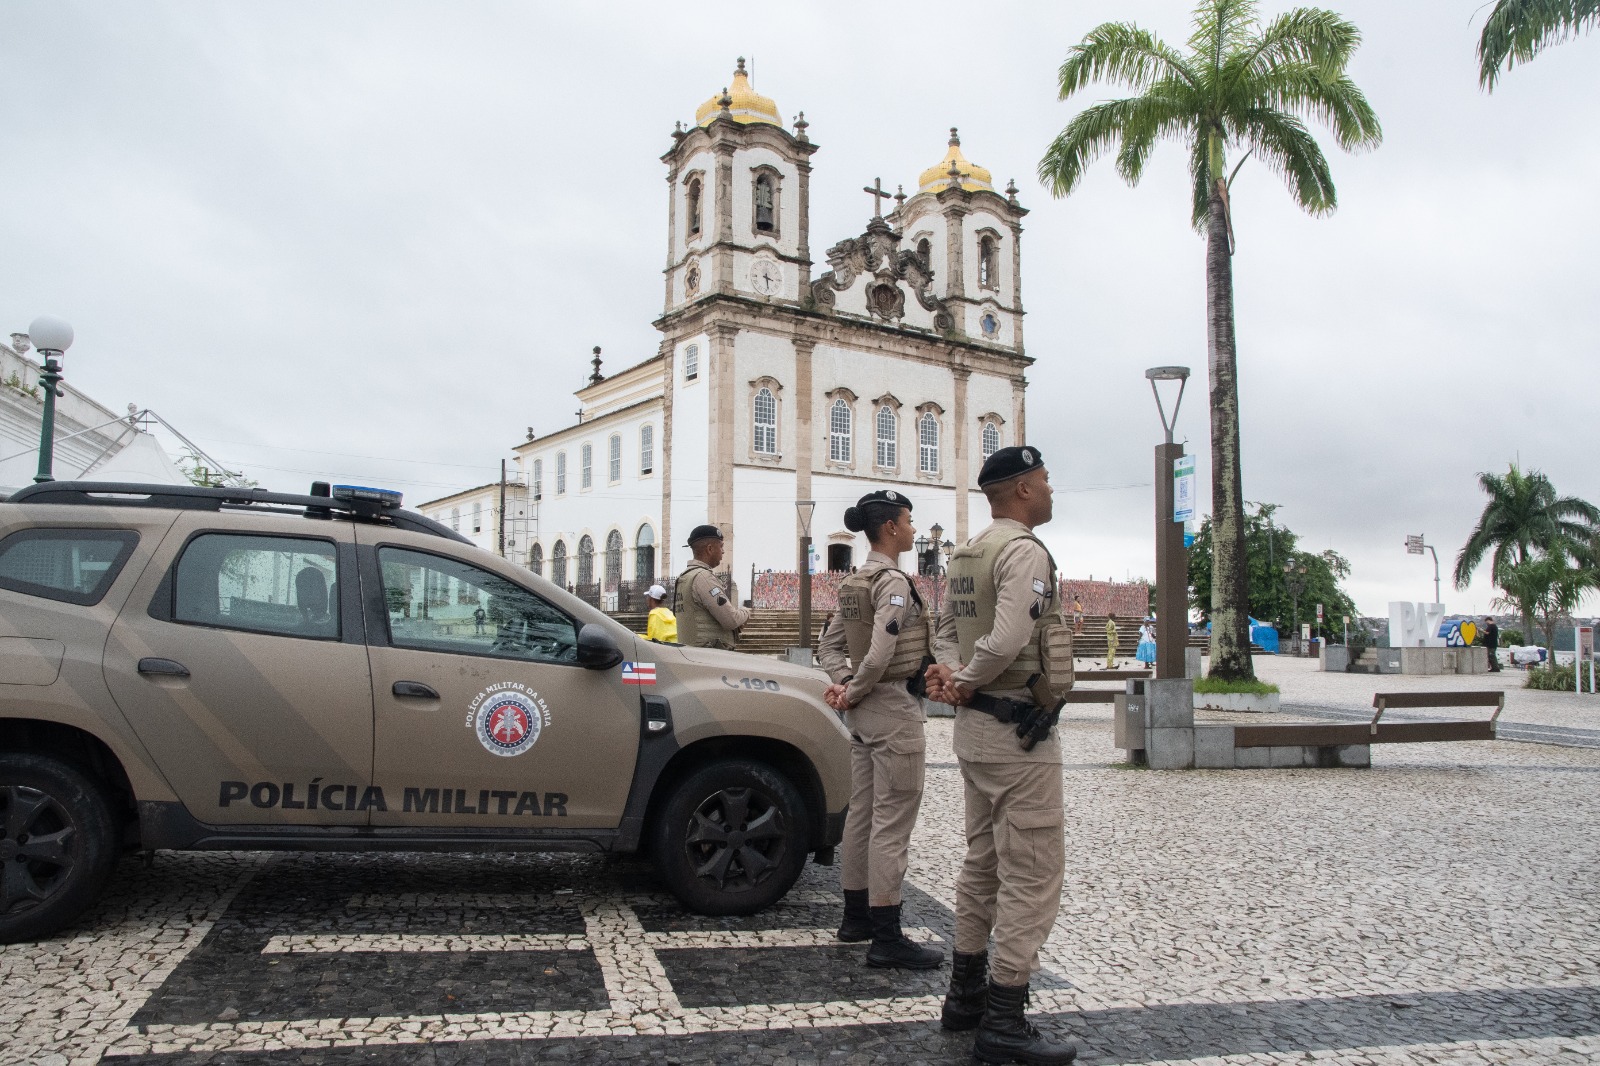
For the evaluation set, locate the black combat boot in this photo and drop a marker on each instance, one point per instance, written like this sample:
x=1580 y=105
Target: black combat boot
x=891 y=948
x=857 y=925
x=1007 y=1036
x=969 y=991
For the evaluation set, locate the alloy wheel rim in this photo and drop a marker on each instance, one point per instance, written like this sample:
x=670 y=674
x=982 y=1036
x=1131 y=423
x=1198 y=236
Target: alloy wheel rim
x=37 y=848
x=736 y=838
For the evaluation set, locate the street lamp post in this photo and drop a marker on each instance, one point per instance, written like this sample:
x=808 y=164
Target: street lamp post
x=52 y=337
x=1172 y=558
x=805 y=508
x=1294 y=577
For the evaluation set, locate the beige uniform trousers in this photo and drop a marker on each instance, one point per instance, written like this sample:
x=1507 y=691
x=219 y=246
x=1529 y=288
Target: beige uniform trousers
x=1010 y=882
x=888 y=747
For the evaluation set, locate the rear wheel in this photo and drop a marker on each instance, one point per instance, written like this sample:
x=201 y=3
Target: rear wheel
x=731 y=838
x=57 y=845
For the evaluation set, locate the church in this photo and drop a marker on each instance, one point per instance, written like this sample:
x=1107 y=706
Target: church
x=900 y=364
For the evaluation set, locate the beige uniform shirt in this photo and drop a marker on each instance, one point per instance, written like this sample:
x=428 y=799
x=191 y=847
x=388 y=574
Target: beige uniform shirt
x=716 y=599
x=1022 y=568
x=893 y=608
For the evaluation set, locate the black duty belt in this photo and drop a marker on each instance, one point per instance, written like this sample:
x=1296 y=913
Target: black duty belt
x=1007 y=711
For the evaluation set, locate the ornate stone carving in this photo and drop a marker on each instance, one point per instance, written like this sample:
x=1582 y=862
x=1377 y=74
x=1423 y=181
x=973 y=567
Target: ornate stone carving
x=877 y=253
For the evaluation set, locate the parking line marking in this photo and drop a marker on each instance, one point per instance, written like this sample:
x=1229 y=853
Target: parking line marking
x=636 y=982
x=366 y=943
x=391 y=901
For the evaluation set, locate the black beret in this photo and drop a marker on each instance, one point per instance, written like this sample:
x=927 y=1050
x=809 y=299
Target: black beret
x=704 y=533
x=889 y=496
x=1008 y=463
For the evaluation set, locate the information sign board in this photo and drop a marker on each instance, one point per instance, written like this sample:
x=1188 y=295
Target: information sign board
x=1414 y=544
x=1183 y=488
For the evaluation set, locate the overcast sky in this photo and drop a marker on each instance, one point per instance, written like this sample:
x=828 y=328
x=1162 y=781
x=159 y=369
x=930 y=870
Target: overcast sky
x=374 y=242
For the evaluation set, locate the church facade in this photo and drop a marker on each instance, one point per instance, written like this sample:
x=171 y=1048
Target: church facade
x=899 y=364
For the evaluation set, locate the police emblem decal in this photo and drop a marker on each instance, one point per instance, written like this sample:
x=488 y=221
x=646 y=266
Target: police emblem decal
x=508 y=718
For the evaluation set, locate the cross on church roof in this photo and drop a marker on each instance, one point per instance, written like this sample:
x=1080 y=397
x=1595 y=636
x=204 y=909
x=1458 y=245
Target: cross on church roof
x=878 y=196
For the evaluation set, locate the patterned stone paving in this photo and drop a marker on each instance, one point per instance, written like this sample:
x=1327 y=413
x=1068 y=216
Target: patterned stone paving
x=1438 y=908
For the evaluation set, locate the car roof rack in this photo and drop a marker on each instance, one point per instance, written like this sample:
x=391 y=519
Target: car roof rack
x=204 y=498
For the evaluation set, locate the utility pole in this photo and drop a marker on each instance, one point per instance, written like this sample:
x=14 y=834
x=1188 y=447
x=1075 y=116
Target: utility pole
x=503 y=506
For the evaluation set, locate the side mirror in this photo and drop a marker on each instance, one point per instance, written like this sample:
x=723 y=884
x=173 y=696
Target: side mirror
x=597 y=650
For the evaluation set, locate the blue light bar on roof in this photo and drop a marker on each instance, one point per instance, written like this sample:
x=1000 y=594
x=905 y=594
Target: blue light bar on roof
x=381 y=497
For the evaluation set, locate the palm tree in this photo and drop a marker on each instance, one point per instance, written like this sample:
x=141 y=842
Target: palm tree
x=1240 y=87
x=1523 y=520
x=1518 y=30
x=1549 y=588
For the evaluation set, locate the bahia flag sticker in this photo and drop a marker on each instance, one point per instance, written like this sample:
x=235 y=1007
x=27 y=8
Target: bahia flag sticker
x=638 y=673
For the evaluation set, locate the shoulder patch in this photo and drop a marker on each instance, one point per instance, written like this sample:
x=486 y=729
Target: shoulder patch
x=1033 y=612
x=1038 y=586
x=722 y=601
x=892 y=627
x=715 y=591
x=897 y=601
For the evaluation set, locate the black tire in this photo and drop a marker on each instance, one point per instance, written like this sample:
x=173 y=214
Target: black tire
x=58 y=844
x=720 y=871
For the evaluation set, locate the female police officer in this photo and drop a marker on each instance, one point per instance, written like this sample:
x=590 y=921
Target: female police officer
x=875 y=649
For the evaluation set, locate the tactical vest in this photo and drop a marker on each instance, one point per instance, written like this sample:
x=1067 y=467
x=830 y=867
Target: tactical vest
x=971 y=599
x=698 y=627
x=911 y=645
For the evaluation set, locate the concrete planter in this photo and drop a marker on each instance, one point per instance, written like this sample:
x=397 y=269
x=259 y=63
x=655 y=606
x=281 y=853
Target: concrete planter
x=1235 y=701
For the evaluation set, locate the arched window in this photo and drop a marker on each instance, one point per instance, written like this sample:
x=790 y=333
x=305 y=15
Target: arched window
x=988 y=276
x=925 y=249
x=586 y=560
x=647 y=449
x=561 y=474
x=644 y=555
x=615 y=445
x=586 y=466
x=538 y=478
x=558 y=563
x=928 y=444
x=766 y=201
x=888 y=436
x=991 y=439
x=765 y=421
x=694 y=206
x=839 y=432
x=691 y=362
x=613 y=558
x=536 y=559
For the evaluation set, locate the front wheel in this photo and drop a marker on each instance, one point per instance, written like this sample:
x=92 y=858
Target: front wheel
x=731 y=838
x=57 y=845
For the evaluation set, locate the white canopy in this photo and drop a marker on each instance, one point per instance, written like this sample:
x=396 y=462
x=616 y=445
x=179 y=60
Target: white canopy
x=143 y=461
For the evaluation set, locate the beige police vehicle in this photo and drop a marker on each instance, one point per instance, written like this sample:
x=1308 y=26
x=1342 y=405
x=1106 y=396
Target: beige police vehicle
x=201 y=668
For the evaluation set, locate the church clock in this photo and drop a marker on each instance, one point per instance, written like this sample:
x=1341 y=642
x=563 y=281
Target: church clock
x=766 y=276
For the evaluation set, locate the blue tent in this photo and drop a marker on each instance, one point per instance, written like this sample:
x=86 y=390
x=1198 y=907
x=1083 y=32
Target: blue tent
x=1262 y=634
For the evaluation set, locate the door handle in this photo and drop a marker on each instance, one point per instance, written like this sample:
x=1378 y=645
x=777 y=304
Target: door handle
x=163 y=667
x=414 y=690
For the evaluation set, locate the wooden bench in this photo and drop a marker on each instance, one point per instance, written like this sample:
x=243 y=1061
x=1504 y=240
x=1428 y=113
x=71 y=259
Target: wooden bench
x=1111 y=675
x=1316 y=734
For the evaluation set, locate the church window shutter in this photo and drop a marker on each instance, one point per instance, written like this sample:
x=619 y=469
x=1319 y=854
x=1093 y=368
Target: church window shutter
x=839 y=432
x=644 y=553
x=538 y=478
x=928 y=444
x=925 y=249
x=455 y=519
x=691 y=362
x=613 y=558
x=536 y=559
x=586 y=466
x=615 y=459
x=991 y=439
x=558 y=563
x=765 y=434
x=586 y=560
x=477 y=518
x=561 y=477
x=888 y=437
x=987 y=274
x=647 y=449
x=694 y=206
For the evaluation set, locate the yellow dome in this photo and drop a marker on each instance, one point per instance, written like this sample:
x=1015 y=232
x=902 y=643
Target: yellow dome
x=746 y=104
x=973 y=177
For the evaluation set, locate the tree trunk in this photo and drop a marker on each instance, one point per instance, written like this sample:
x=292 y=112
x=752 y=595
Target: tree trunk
x=1230 y=584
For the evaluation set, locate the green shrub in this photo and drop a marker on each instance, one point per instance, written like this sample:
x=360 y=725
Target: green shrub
x=1550 y=678
x=1215 y=685
x=1510 y=637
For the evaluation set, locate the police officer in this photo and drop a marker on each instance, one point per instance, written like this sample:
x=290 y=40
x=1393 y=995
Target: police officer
x=707 y=616
x=875 y=648
x=1002 y=593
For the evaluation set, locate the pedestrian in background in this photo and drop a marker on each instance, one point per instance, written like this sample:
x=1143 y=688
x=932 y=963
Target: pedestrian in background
x=1146 y=651
x=1491 y=641
x=875 y=649
x=1111 y=640
x=661 y=625
x=1077 y=617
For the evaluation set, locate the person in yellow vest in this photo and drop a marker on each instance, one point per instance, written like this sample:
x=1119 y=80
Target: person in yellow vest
x=707 y=615
x=875 y=649
x=1000 y=607
x=1111 y=640
x=662 y=625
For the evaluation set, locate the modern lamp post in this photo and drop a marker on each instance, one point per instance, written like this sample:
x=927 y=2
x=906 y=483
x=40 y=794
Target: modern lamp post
x=1172 y=558
x=805 y=509
x=52 y=337
x=1294 y=578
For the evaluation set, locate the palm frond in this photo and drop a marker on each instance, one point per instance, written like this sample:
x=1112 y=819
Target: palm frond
x=1120 y=51
x=1332 y=99
x=1200 y=183
x=1166 y=109
x=1304 y=35
x=1221 y=27
x=1090 y=134
x=1287 y=147
x=1518 y=30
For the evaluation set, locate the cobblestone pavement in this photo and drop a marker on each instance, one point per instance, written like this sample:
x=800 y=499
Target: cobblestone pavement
x=1439 y=907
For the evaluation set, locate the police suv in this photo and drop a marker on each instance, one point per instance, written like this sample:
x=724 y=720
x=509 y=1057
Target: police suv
x=210 y=668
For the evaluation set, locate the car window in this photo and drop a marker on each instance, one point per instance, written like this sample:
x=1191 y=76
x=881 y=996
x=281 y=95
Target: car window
x=440 y=604
x=283 y=585
x=72 y=565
